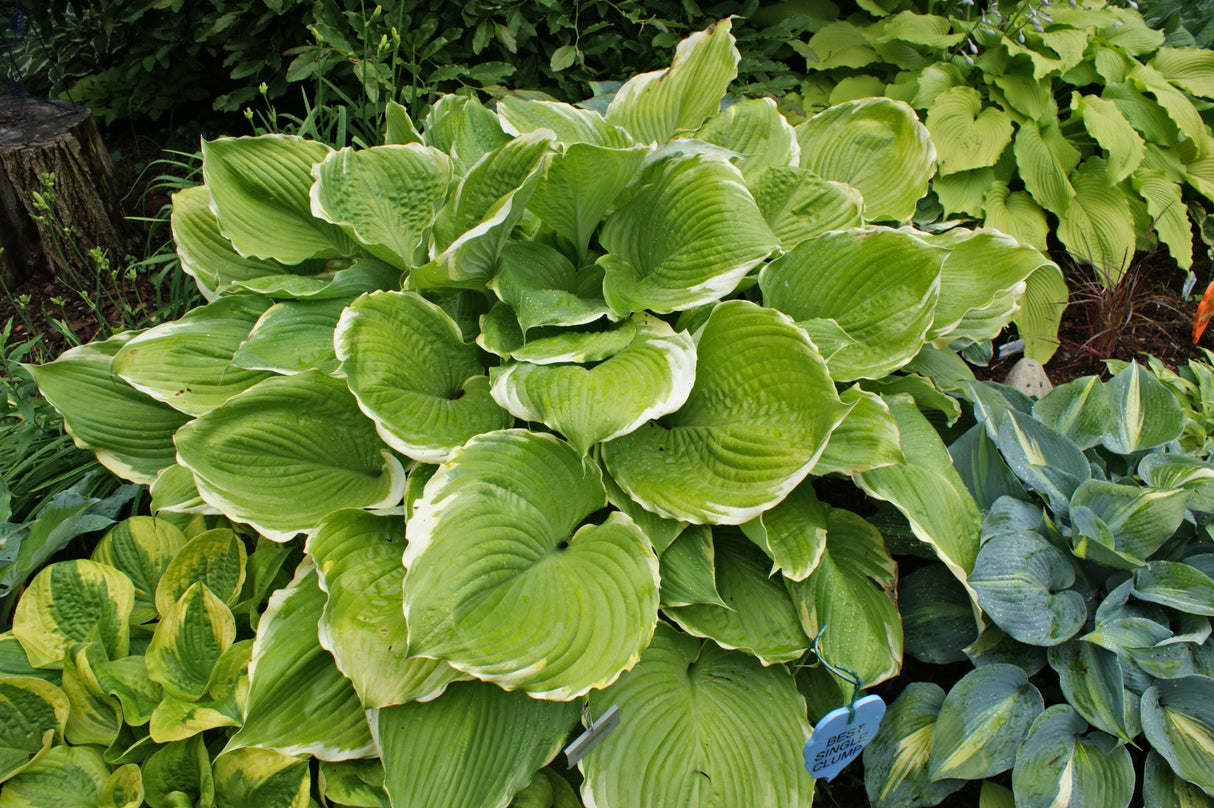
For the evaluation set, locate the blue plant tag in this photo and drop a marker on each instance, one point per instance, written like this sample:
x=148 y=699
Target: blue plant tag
x=841 y=736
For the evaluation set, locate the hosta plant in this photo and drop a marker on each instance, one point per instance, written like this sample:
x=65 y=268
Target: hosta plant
x=537 y=402
x=1095 y=580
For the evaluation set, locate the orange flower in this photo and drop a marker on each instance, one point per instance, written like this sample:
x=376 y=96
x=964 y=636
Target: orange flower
x=1204 y=311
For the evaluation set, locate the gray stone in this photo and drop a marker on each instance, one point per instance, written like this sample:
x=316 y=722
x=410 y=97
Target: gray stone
x=1028 y=376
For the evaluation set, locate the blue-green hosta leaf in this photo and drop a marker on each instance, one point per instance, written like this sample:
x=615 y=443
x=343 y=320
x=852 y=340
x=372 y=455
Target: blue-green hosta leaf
x=1148 y=414
x=758 y=417
x=757 y=615
x=543 y=288
x=982 y=721
x=1169 y=217
x=1045 y=166
x=937 y=616
x=384 y=197
x=847 y=601
x=648 y=379
x=685 y=237
x=571 y=124
x=70 y=602
x=1175 y=584
x=475 y=747
x=1015 y=213
x=683 y=709
x=1164 y=788
x=1140 y=519
x=1044 y=460
x=1178 y=720
x=65 y=777
x=1098 y=225
x=1108 y=127
x=407 y=364
x=259 y=194
x=984 y=471
x=288 y=451
x=654 y=107
x=261 y=778
x=855 y=143
x=188 y=641
x=793 y=532
x=1023 y=582
x=799 y=206
x=1168 y=470
x=358 y=558
x=290 y=673
x=1080 y=410
x=1190 y=69
x=755 y=130
x=130 y=432
x=866 y=297
x=895 y=763
x=497 y=547
x=688 y=569
x=358 y=783
x=1092 y=680
x=292 y=337
x=867 y=438
x=33 y=715
x=1060 y=765
x=187 y=363
x=966 y=135
x=216 y=558
x=141 y=547
x=177 y=770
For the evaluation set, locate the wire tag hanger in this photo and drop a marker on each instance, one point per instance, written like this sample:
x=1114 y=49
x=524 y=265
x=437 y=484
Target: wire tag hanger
x=841 y=735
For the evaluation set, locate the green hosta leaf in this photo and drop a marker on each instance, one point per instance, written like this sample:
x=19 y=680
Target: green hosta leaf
x=141 y=547
x=95 y=716
x=542 y=287
x=407 y=364
x=1045 y=166
x=358 y=783
x=384 y=197
x=358 y=557
x=755 y=130
x=654 y=107
x=685 y=237
x=1200 y=175
x=288 y=451
x=855 y=142
x=661 y=532
x=965 y=191
x=1170 y=219
x=1140 y=519
x=547 y=789
x=70 y=602
x=33 y=715
x=462 y=127
x=1092 y=680
x=261 y=778
x=1178 y=719
x=65 y=777
x=1058 y=762
x=982 y=721
x=799 y=206
x=757 y=419
x=559 y=345
x=179 y=774
x=497 y=548
x=895 y=763
x=1098 y=225
x=571 y=124
x=847 y=601
x=649 y=378
x=292 y=337
x=867 y=438
x=692 y=701
x=259 y=192
x=14 y=662
x=1045 y=296
x=398 y=126
x=1023 y=582
x=130 y=433
x=867 y=298
x=966 y=135
x=364 y=274
x=1015 y=213
x=793 y=532
x=688 y=569
x=1163 y=788
x=1177 y=105
x=1175 y=584
x=1108 y=127
x=127 y=680
x=188 y=641
x=290 y=673
x=1190 y=69
x=215 y=558
x=839 y=44
x=757 y=617
x=475 y=747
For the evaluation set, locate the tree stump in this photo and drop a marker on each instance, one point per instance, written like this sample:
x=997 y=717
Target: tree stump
x=51 y=224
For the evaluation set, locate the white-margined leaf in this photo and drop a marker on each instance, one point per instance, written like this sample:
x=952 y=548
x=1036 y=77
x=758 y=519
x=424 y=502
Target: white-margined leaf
x=183 y=767
x=1080 y=410
x=364 y=274
x=358 y=783
x=867 y=439
x=543 y=288
x=1139 y=519
x=1059 y=762
x=793 y=532
x=1147 y=413
x=571 y=124
x=1163 y=788
x=1173 y=583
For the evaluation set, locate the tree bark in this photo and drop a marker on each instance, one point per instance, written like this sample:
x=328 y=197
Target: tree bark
x=59 y=197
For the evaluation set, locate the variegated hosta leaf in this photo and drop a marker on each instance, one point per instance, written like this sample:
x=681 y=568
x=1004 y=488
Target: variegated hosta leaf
x=123 y=788
x=757 y=616
x=1139 y=519
x=1168 y=470
x=261 y=778
x=70 y=602
x=1092 y=680
x=216 y=558
x=15 y=662
x=649 y=378
x=793 y=532
x=187 y=363
x=660 y=531
x=867 y=298
x=33 y=714
x=131 y=433
x=551 y=346
x=290 y=673
x=475 y=747
x=183 y=767
x=141 y=547
x=188 y=641
x=867 y=439
x=68 y=776
x=288 y=451
x=1147 y=413
x=756 y=131
x=497 y=548
x=1175 y=584
x=127 y=680
x=292 y=337
x=688 y=569
x=1098 y=225
x=571 y=124
x=364 y=274
x=384 y=197
x=799 y=206
x=1057 y=762
x=406 y=362
x=683 y=709
x=966 y=135
x=358 y=558
x=857 y=141
x=654 y=107
x=1163 y=788
x=357 y=783
x=221 y=705
x=685 y=237
x=758 y=417
x=259 y=193
x=543 y=288
x=895 y=763
x=1079 y=409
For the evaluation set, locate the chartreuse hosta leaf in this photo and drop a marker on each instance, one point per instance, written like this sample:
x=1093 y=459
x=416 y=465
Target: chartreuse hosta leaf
x=966 y=135
x=649 y=378
x=982 y=722
x=1121 y=143
x=33 y=715
x=123 y=788
x=130 y=433
x=543 y=288
x=187 y=363
x=654 y=107
x=895 y=763
x=686 y=236
x=141 y=547
x=683 y=709
x=756 y=616
x=476 y=747
x=1164 y=788
x=364 y=274
x=261 y=778
x=1045 y=164
x=1092 y=680
x=758 y=417
x=290 y=674
x=188 y=641
x=798 y=206
x=179 y=773
x=756 y=131
x=292 y=336
x=1059 y=764
x=1178 y=720
x=358 y=559
x=497 y=547
x=867 y=298
x=288 y=451
x=1168 y=214
x=856 y=141
x=74 y=601
x=406 y=362
x=689 y=570
x=216 y=558
x=867 y=438
x=222 y=705
x=66 y=776
x=571 y=124
x=1098 y=225
x=384 y=197
x=259 y=193
x=793 y=532
x=1015 y=213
